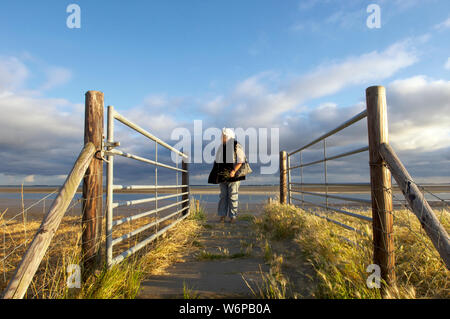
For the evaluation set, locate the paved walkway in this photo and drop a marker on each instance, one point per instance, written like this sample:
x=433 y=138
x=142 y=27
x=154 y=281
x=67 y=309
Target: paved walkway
x=227 y=253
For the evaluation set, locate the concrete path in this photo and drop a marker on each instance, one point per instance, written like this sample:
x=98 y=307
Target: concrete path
x=227 y=253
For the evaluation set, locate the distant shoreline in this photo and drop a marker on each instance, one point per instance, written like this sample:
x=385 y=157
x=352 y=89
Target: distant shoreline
x=214 y=189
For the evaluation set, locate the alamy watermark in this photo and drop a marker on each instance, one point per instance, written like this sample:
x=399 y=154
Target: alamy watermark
x=374 y=19
x=73 y=276
x=74 y=19
x=258 y=140
x=374 y=279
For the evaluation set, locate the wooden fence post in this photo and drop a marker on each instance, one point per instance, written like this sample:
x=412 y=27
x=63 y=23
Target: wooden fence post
x=92 y=182
x=380 y=180
x=283 y=177
x=185 y=181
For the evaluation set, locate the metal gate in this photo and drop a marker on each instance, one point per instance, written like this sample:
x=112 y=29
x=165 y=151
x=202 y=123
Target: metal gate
x=182 y=210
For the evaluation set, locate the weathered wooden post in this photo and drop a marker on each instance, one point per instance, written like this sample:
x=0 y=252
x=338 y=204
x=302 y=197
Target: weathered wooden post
x=185 y=181
x=92 y=182
x=283 y=177
x=380 y=180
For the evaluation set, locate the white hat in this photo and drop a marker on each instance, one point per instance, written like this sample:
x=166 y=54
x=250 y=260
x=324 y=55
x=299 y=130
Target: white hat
x=228 y=132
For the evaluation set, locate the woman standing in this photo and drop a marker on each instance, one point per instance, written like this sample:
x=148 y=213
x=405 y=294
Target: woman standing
x=230 y=157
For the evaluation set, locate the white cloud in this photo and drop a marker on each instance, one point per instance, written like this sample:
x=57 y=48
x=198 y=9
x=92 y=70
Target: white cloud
x=29 y=179
x=13 y=73
x=374 y=66
x=18 y=179
x=215 y=106
x=56 y=76
x=419 y=113
x=346 y=18
x=307 y=4
x=447 y=64
x=443 y=25
x=51 y=133
x=266 y=106
x=156 y=101
x=38 y=136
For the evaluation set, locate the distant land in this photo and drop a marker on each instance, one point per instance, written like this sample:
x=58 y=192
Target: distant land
x=244 y=189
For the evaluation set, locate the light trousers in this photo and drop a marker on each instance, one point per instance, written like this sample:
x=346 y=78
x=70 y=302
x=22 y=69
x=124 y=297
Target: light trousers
x=228 y=201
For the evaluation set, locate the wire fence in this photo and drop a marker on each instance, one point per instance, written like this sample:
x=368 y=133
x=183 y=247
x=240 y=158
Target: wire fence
x=18 y=226
x=383 y=224
x=39 y=267
x=18 y=230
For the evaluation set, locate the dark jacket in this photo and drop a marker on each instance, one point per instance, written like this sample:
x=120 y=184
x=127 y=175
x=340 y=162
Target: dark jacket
x=221 y=170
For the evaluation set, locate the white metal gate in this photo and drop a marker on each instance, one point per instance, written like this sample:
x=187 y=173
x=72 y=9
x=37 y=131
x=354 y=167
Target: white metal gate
x=177 y=216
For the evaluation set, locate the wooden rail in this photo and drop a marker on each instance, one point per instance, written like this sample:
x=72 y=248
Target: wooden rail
x=24 y=273
x=418 y=203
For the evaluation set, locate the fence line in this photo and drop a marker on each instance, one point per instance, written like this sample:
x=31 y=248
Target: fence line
x=89 y=167
x=382 y=162
x=24 y=273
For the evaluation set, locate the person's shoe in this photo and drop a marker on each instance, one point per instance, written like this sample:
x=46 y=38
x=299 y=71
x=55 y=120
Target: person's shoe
x=222 y=219
x=233 y=220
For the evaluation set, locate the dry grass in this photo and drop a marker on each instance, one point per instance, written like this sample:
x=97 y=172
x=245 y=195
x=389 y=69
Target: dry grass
x=341 y=266
x=121 y=281
x=51 y=274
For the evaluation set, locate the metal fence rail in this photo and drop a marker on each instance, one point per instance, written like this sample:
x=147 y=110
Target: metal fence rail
x=176 y=216
x=382 y=162
x=299 y=187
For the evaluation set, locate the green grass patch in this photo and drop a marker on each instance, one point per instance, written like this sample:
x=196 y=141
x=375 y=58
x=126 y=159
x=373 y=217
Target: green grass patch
x=189 y=293
x=198 y=214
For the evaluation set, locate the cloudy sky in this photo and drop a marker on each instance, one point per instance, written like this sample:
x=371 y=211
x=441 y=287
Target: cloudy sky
x=300 y=66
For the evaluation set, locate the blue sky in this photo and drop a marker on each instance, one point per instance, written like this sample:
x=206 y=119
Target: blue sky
x=177 y=60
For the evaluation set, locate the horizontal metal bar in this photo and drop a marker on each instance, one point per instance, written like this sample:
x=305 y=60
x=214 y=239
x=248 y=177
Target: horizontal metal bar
x=145 y=242
x=357 y=151
x=351 y=121
x=139 y=129
x=146 y=200
x=145 y=227
x=351 y=199
x=353 y=152
x=336 y=210
x=143 y=159
x=334 y=184
x=146 y=187
x=147 y=213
